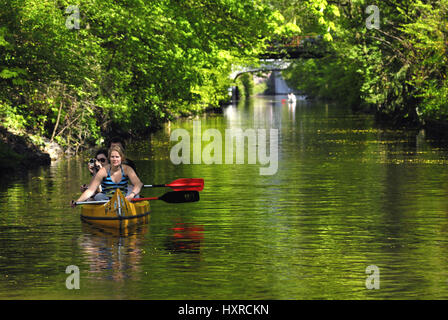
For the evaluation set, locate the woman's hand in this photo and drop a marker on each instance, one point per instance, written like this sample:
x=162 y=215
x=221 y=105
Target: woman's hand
x=94 y=167
x=91 y=167
x=130 y=196
x=73 y=203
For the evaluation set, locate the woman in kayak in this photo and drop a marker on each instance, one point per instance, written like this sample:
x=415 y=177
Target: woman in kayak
x=115 y=175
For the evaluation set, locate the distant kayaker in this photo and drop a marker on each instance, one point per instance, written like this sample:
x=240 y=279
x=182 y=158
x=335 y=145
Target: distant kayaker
x=115 y=175
x=291 y=97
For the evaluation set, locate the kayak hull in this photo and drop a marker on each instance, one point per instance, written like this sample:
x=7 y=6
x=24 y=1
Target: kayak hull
x=118 y=213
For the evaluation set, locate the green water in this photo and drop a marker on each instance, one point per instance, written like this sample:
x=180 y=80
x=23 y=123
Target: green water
x=346 y=195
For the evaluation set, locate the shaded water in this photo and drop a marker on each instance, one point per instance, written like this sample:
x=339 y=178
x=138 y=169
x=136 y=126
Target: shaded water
x=346 y=195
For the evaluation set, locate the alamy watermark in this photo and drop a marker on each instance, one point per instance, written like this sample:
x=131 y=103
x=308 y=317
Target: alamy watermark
x=72 y=21
x=234 y=147
x=373 y=21
x=373 y=278
x=72 y=281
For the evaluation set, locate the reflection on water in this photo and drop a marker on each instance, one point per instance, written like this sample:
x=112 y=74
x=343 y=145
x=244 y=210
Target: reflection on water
x=186 y=237
x=347 y=194
x=112 y=254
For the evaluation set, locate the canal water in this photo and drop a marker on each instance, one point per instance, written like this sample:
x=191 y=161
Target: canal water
x=351 y=206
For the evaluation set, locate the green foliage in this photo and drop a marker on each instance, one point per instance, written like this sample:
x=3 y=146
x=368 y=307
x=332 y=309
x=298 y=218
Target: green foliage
x=326 y=79
x=245 y=81
x=400 y=69
x=130 y=66
x=12 y=117
x=426 y=37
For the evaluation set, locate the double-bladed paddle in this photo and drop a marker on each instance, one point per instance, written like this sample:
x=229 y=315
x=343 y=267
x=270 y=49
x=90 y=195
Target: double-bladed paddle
x=184 y=184
x=169 y=197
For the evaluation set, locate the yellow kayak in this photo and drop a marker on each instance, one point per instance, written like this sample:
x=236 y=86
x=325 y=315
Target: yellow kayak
x=118 y=213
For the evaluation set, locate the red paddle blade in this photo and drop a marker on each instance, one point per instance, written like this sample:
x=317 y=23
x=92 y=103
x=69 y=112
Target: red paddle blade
x=187 y=184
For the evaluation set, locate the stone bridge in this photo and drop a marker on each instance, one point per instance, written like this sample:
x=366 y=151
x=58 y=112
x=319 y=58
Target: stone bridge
x=265 y=65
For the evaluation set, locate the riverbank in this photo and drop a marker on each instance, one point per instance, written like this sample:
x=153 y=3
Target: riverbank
x=18 y=152
x=403 y=111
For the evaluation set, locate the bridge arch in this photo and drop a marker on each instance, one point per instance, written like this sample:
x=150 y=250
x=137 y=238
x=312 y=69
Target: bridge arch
x=265 y=65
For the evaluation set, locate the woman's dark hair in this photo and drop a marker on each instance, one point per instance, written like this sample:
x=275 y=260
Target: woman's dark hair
x=101 y=151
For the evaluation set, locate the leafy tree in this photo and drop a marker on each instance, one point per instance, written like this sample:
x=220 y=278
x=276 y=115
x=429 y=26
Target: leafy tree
x=123 y=66
x=398 y=68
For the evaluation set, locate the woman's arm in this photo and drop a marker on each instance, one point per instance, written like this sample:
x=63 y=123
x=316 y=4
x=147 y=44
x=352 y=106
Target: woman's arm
x=96 y=181
x=134 y=180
